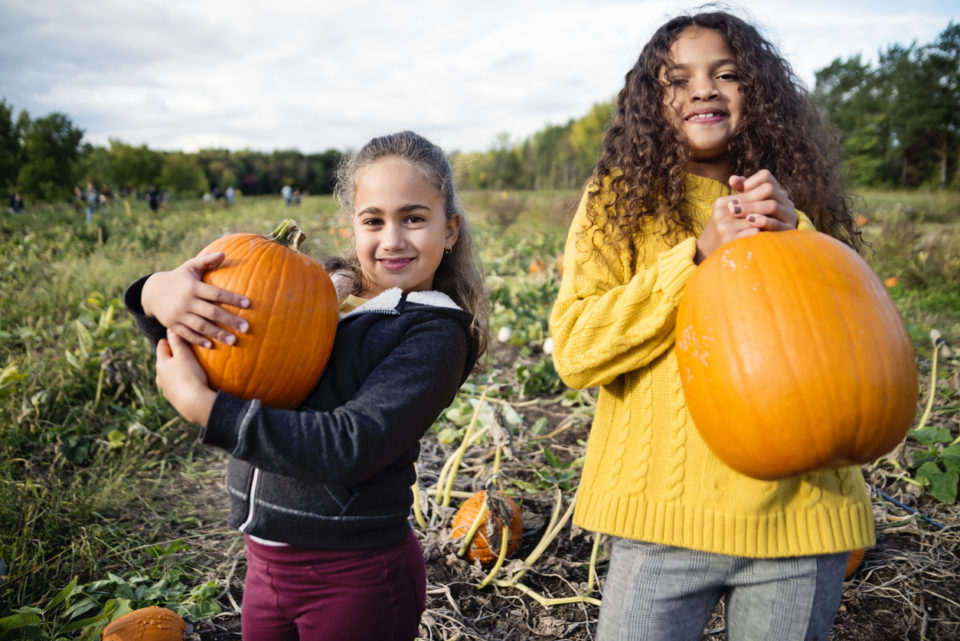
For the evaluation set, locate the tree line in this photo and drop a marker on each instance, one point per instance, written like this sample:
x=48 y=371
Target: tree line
x=897 y=121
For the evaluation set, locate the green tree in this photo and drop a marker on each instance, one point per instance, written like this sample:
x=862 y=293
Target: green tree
x=134 y=168
x=9 y=147
x=181 y=175
x=51 y=147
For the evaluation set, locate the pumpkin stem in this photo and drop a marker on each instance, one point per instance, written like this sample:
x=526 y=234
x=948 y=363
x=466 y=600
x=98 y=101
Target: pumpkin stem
x=289 y=234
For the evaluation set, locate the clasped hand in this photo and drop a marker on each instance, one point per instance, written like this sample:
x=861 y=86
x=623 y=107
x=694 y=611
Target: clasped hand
x=760 y=204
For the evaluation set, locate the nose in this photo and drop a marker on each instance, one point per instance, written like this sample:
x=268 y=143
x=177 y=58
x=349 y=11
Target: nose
x=704 y=88
x=393 y=238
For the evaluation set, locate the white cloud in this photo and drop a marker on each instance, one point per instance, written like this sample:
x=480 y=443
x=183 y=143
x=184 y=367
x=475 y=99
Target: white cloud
x=188 y=74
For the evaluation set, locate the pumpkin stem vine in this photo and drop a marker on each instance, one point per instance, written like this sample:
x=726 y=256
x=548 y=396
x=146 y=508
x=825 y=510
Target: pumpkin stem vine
x=288 y=234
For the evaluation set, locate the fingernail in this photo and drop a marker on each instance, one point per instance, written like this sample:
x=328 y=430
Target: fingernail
x=231 y=339
x=737 y=209
x=244 y=326
x=207 y=344
x=752 y=218
x=735 y=201
x=244 y=303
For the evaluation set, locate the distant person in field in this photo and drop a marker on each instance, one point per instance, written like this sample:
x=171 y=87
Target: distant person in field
x=154 y=198
x=287 y=192
x=92 y=199
x=229 y=194
x=713 y=139
x=16 y=203
x=322 y=493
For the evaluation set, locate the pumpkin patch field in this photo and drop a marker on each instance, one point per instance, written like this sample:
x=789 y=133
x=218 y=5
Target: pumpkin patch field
x=109 y=505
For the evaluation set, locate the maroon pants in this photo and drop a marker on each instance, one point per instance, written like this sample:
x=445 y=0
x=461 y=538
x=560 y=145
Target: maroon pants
x=295 y=593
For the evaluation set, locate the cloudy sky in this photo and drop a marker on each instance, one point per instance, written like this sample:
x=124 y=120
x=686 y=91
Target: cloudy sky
x=318 y=74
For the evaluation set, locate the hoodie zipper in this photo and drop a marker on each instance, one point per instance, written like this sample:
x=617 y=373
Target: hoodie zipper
x=253 y=495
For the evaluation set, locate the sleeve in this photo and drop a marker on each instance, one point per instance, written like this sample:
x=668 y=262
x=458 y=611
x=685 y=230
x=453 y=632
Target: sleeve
x=394 y=406
x=610 y=319
x=149 y=325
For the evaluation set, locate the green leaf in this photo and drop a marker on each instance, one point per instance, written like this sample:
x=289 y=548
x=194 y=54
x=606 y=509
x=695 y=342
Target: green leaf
x=951 y=456
x=526 y=486
x=552 y=459
x=931 y=435
x=923 y=456
x=942 y=485
x=23 y=618
x=64 y=593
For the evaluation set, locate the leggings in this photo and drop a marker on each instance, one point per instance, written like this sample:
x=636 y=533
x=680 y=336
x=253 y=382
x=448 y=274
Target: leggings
x=298 y=594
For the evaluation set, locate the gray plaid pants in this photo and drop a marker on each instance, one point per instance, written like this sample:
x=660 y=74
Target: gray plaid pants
x=662 y=593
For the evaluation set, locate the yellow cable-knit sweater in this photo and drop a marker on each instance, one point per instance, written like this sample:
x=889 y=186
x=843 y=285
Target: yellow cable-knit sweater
x=648 y=475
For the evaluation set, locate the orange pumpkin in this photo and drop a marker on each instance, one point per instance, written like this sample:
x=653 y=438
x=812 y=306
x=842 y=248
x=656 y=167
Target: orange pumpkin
x=853 y=563
x=558 y=264
x=892 y=281
x=292 y=317
x=537 y=266
x=485 y=546
x=146 y=624
x=793 y=357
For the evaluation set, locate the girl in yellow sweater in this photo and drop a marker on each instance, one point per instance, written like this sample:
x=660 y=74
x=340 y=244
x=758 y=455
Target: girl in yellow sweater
x=713 y=139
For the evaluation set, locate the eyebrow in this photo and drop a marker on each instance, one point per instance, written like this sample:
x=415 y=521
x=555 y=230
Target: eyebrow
x=403 y=209
x=716 y=63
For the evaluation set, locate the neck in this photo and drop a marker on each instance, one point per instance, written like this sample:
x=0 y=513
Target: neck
x=717 y=168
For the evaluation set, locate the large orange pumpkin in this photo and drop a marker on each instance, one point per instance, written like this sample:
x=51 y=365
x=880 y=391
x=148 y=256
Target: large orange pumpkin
x=793 y=357
x=146 y=624
x=485 y=546
x=292 y=317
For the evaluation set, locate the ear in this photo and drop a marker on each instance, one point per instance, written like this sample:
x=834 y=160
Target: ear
x=453 y=231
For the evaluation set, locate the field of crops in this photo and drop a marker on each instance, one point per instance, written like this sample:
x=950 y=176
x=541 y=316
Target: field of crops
x=108 y=504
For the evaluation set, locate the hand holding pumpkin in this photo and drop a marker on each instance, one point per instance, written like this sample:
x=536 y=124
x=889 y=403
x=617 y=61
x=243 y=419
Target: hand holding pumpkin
x=182 y=380
x=191 y=308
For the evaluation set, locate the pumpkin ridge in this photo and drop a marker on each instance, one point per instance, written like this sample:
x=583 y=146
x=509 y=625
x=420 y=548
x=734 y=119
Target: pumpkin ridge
x=863 y=410
x=875 y=349
x=280 y=360
x=798 y=243
x=740 y=389
x=248 y=250
x=264 y=388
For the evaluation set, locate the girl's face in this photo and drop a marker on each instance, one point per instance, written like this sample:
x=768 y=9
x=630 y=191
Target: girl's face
x=400 y=227
x=702 y=97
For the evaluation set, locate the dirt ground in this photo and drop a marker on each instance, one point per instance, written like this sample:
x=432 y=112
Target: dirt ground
x=906 y=588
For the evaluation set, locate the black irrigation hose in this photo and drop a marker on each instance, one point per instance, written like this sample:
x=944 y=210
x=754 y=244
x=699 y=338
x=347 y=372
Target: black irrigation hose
x=909 y=509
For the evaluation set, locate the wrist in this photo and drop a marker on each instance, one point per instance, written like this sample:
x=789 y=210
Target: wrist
x=145 y=296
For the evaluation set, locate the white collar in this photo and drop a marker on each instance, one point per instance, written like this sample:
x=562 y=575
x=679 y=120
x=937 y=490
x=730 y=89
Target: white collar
x=388 y=300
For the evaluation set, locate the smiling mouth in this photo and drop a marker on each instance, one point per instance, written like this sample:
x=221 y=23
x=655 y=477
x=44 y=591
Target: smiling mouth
x=395 y=264
x=710 y=116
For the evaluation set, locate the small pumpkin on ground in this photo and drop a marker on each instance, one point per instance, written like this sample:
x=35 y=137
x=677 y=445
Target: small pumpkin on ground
x=793 y=357
x=853 y=562
x=146 y=624
x=292 y=317
x=499 y=509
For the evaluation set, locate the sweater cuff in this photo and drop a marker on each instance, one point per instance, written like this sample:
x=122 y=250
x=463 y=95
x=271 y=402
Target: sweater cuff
x=221 y=430
x=676 y=266
x=131 y=297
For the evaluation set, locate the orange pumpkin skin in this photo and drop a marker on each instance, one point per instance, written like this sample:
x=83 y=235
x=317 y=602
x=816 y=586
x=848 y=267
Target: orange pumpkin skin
x=793 y=357
x=292 y=318
x=146 y=624
x=490 y=529
x=853 y=562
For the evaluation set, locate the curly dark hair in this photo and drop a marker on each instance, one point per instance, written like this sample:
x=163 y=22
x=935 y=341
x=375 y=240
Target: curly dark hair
x=781 y=130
